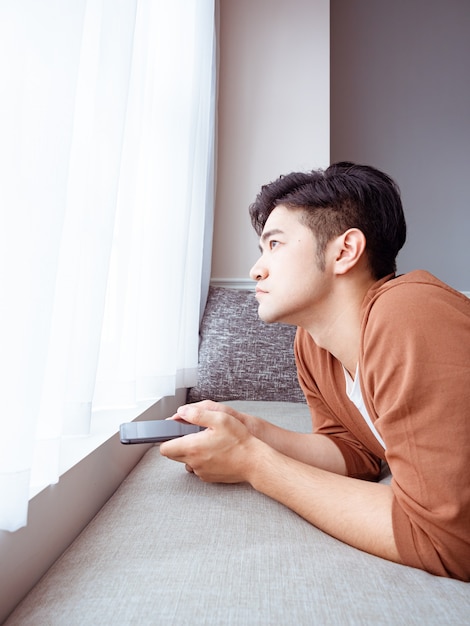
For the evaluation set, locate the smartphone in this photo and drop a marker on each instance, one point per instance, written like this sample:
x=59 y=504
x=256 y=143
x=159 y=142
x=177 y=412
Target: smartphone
x=155 y=431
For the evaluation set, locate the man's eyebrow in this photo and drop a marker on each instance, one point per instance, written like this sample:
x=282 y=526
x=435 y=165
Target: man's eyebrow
x=269 y=233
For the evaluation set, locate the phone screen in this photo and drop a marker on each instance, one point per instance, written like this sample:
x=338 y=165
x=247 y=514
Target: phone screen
x=155 y=431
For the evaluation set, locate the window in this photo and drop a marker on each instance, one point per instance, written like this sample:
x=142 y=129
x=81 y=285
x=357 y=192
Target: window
x=107 y=128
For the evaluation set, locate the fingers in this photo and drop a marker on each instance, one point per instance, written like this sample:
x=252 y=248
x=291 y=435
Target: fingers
x=197 y=414
x=210 y=405
x=220 y=453
x=181 y=448
x=198 y=445
x=207 y=405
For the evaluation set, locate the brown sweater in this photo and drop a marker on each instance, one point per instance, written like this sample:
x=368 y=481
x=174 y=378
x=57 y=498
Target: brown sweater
x=414 y=366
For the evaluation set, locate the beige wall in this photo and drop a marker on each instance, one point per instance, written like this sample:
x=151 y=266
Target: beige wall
x=273 y=111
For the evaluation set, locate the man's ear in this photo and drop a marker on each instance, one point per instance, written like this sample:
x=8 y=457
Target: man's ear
x=349 y=250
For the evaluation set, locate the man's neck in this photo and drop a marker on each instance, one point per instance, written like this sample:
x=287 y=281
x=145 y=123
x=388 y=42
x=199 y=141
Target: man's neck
x=337 y=329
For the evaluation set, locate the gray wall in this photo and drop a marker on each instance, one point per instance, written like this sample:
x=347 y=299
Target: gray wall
x=400 y=100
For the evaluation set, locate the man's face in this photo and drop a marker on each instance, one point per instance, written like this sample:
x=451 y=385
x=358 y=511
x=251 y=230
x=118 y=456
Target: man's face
x=290 y=284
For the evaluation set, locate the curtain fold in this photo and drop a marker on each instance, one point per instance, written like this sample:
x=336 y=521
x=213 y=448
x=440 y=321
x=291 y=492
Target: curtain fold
x=108 y=157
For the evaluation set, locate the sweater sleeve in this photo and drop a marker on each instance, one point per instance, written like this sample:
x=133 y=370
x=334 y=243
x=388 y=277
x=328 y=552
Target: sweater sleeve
x=415 y=368
x=333 y=415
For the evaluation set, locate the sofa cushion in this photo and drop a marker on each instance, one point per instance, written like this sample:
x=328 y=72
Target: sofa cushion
x=242 y=357
x=168 y=548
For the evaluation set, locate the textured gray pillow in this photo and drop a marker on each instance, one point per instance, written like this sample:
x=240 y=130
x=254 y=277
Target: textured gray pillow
x=241 y=357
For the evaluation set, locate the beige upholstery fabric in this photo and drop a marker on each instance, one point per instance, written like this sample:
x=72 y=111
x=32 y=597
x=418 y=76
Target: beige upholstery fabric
x=169 y=549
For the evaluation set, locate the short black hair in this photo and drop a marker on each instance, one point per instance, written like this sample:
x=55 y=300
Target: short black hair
x=343 y=196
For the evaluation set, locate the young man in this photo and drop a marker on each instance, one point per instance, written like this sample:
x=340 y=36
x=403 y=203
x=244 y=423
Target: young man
x=384 y=362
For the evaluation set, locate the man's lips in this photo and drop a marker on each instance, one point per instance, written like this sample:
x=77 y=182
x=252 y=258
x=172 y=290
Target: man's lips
x=260 y=291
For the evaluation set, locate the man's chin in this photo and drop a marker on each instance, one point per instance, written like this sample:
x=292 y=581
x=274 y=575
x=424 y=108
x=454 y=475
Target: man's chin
x=267 y=316
x=271 y=317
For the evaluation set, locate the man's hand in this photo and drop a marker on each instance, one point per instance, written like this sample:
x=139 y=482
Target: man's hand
x=223 y=452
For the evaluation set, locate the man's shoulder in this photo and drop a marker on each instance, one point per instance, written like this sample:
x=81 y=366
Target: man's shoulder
x=416 y=288
x=416 y=299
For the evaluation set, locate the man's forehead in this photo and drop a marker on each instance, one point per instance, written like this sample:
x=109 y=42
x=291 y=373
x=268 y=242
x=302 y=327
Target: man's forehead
x=280 y=218
x=278 y=214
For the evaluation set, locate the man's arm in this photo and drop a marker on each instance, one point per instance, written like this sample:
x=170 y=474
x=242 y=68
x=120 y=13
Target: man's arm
x=312 y=449
x=354 y=511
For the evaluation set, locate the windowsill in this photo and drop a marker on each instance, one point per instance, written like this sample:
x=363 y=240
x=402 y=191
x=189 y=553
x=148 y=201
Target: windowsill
x=103 y=427
x=92 y=468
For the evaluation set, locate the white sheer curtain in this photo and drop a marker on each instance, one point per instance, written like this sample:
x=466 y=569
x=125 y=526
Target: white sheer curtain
x=106 y=157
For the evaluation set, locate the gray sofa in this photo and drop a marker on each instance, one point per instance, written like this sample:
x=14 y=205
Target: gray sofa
x=169 y=549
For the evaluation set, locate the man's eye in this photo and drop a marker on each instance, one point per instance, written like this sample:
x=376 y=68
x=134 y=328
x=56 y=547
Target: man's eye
x=273 y=243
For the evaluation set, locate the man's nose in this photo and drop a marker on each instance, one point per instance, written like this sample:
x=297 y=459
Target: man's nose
x=258 y=271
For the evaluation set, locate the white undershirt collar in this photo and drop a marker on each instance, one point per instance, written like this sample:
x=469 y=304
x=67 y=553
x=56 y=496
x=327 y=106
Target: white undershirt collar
x=354 y=393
